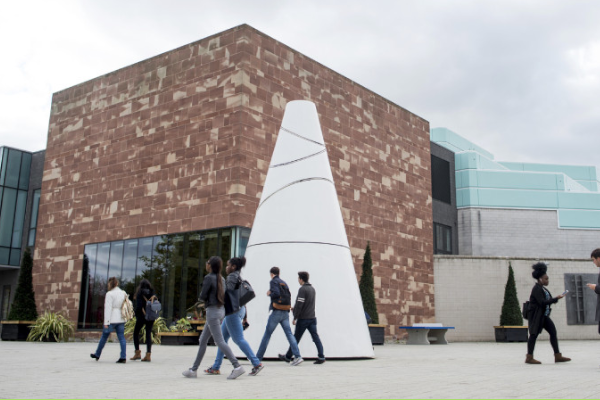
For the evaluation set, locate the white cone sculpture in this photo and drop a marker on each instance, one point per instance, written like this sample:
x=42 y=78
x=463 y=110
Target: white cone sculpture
x=299 y=227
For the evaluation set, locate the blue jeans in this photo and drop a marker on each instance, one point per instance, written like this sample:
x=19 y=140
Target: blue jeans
x=232 y=327
x=301 y=326
x=120 y=329
x=278 y=317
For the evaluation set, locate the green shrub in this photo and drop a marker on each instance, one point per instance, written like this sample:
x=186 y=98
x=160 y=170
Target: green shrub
x=367 y=291
x=23 y=307
x=183 y=325
x=511 y=310
x=50 y=323
x=160 y=325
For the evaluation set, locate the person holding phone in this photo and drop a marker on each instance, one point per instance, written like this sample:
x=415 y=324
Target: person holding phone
x=596 y=288
x=539 y=311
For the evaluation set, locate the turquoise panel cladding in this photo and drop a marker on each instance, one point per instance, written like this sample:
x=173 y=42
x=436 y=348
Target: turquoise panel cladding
x=482 y=182
x=456 y=143
x=579 y=219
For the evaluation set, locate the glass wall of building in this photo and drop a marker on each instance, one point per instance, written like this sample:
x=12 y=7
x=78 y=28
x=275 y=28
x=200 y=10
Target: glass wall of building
x=174 y=264
x=15 y=166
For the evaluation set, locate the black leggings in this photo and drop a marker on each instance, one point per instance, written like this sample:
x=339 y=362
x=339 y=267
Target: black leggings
x=139 y=322
x=551 y=329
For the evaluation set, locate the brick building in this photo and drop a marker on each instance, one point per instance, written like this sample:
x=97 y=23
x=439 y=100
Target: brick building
x=151 y=168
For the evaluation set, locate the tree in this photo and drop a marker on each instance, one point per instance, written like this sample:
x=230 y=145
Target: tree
x=511 y=311
x=367 y=291
x=23 y=307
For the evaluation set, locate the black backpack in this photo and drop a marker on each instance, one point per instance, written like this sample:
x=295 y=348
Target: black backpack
x=526 y=310
x=285 y=298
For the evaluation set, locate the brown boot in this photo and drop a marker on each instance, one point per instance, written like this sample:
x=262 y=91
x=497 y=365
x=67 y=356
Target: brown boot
x=559 y=358
x=137 y=355
x=530 y=360
x=147 y=357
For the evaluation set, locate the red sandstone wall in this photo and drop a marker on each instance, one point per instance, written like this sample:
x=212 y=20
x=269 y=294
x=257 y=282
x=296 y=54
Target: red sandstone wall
x=182 y=142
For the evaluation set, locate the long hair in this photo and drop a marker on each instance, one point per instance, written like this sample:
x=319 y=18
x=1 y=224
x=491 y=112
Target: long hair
x=216 y=264
x=112 y=283
x=144 y=284
x=238 y=262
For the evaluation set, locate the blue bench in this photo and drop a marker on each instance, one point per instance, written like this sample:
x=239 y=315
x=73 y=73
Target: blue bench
x=427 y=333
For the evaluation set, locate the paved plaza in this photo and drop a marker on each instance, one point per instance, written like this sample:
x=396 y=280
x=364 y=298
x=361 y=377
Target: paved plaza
x=458 y=370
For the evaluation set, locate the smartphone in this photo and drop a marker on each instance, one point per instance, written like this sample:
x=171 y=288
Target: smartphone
x=565 y=292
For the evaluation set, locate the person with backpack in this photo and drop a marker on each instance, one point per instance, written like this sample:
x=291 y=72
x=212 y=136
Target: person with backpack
x=305 y=317
x=235 y=314
x=539 y=314
x=144 y=292
x=281 y=303
x=213 y=295
x=113 y=320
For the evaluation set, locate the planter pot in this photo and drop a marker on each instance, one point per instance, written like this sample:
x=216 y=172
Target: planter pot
x=178 y=338
x=377 y=333
x=16 y=330
x=511 y=333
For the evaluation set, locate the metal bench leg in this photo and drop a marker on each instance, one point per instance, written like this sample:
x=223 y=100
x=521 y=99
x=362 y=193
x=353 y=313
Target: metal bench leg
x=418 y=336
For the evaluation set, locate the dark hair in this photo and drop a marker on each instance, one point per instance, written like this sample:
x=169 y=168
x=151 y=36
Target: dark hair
x=112 y=283
x=274 y=271
x=238 y=262
x=144 y=284
x=304 y=276
x=216 y=264
x=595 y=253
x=539 y=270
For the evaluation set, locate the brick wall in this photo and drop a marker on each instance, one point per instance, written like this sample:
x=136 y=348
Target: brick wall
x=183 y=141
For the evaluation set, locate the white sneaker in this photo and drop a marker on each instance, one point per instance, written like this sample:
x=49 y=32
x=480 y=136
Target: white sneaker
x=239 y=371
x=189 y=373
x=296 y=361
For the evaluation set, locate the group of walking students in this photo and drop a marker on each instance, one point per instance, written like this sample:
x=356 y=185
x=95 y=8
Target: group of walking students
x=225 y=318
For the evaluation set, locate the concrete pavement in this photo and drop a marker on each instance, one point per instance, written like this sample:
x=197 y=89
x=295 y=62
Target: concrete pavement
x=457 y=370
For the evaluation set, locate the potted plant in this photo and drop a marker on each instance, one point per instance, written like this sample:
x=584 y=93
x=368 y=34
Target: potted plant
x=51 y=327
x=23 y=312
x=511 y=327
x=181 y=333
x=159 y=326
x=367 y=294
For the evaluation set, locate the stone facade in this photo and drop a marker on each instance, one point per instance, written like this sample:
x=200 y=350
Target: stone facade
x=182 y=142
x=521 y=233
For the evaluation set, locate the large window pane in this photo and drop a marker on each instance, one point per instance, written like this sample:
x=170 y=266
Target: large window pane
x=226 y=247
x=100 y=282
x=3 y=164
x=25 y=168
x=4 y=255
x=15 y=257
x=144 y=259
x=243 y=235
x=13 y=167
x=128 y=282
x=88 y=315
x=34 y=208
x=7 y=216
x=172 y=278
x=189 y=273
x=160 y=264
x=17 y=236
x=115 y=263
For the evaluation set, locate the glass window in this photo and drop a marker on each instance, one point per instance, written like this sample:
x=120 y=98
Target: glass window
x=160 y=264
x=440 y=180
x=7 y=216
x=242 y=241
x=128 y=282
x=442 y=239
x=4 y=255
x=15 y=257
x=17 y=236
x=144 y=259
x=5 y=302
x=87 y=312
x=35 y=205
x=12 y=168
x=25 y=168
x=115 y=263
x=3 y=164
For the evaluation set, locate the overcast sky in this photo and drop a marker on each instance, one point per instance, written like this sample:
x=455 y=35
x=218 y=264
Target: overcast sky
x=519 y=78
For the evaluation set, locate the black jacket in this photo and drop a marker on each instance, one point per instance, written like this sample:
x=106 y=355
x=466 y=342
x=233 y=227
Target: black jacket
x=305 y=302
x=274 y=288
x=537 y=308
x=209 y=290
x=140 y=302
x=597 y=290
x=232 y=293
